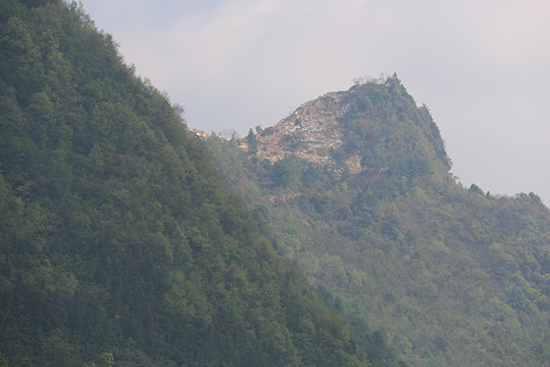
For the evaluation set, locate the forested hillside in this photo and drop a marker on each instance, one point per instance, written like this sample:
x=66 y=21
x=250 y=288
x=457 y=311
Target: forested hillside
x=117 y=245
x=456 y=276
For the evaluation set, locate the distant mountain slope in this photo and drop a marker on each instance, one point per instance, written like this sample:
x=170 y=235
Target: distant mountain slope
x=117 y=245
x=458 y=277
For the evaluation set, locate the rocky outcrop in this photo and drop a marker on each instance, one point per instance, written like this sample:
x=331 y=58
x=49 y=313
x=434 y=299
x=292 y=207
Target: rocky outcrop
x=310 y=132
x=201 y=134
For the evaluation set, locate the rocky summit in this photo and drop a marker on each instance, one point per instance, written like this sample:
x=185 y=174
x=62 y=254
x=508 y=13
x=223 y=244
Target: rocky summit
x=310 y=133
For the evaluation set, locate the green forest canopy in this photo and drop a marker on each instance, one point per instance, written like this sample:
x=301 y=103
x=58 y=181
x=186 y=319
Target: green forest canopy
x=117 y=245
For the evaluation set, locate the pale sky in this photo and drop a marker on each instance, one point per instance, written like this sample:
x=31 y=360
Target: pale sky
x=483 y=67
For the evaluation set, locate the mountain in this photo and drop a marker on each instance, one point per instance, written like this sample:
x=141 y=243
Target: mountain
x=356 y=188
x=118 y=244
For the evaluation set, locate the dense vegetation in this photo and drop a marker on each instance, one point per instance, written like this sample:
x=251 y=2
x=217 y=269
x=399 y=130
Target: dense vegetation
x=117 y=246
x=456 y=276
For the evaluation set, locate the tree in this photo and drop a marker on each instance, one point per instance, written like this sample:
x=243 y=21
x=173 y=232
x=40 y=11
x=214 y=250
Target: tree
x=252 y=142
x=20 y=59
x=107 y=360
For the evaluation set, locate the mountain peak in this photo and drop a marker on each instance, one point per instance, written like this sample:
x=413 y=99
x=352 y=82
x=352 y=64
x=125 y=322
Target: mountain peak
x=370 y=128
x=374 y=128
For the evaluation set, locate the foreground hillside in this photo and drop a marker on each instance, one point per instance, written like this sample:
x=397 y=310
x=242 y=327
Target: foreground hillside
x=357 y=189
x=117 y=246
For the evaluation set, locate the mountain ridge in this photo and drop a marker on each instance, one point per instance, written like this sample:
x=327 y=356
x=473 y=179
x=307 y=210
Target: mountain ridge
x=456 y=276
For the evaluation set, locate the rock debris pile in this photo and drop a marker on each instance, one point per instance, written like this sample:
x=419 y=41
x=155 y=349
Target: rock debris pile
x=310 y=132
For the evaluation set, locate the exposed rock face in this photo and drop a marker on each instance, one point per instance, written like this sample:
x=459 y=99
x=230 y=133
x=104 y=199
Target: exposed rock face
x=201 y=134
x=310 y=132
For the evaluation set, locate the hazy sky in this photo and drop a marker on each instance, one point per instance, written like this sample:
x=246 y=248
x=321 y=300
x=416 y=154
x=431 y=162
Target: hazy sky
x=483 y=67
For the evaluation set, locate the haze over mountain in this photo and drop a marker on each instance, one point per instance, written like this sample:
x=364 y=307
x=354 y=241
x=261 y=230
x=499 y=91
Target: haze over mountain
x=337 y=237
x=482 y=67
x=357 y=189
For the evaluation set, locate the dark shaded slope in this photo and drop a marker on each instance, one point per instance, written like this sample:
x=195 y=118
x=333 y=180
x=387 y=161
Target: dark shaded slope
x=115 y=239
x=457 y=277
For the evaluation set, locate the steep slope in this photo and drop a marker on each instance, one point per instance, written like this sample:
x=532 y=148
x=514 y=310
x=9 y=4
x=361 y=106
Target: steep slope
x=309 y=132
x=117 y=246
x=457 y=277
